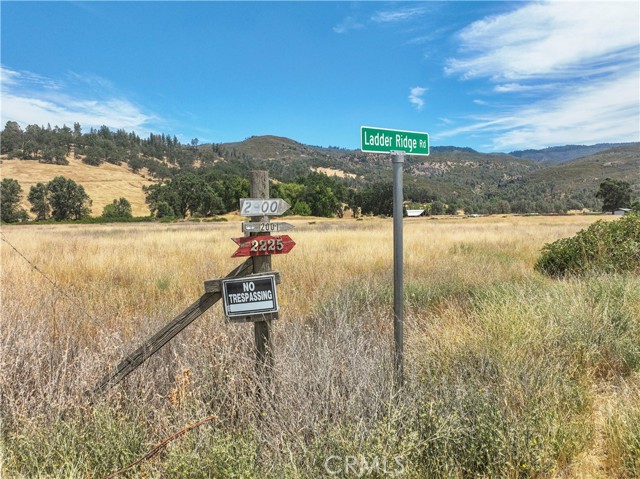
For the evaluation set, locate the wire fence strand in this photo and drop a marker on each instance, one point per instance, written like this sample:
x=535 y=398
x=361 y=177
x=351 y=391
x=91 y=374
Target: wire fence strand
x=57 y=288
x=156 y=449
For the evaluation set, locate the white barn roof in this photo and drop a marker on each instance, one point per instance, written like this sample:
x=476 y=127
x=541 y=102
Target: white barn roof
x=414 y=212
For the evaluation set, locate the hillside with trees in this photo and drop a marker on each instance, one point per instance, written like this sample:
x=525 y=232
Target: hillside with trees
x=176 y=179
x=103 y=184
x=562 y=154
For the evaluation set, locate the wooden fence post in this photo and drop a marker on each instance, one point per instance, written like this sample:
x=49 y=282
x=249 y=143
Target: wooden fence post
x=259 y=188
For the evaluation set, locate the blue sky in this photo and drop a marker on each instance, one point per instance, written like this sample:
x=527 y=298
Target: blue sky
x=494 y=76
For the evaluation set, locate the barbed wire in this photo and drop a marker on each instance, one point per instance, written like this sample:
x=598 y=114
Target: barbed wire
x=53 y=283
x=159 y=447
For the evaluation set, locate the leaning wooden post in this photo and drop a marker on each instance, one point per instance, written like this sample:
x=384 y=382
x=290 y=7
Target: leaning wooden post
x=259 y=188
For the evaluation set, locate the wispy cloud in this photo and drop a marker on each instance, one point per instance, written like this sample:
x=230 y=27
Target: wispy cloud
x=382 y=17
x=348 y=24
x=593 y=113
x=573 y=67
x=550 y=39
x=520 y=88
x=415 y=97
x=399 y=15
x=11 y=78
x=30 y=98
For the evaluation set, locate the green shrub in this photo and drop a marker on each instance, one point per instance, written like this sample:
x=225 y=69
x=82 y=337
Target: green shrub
x=79 y=445
x=606 y=246
x=208 y=454
x=120 y=208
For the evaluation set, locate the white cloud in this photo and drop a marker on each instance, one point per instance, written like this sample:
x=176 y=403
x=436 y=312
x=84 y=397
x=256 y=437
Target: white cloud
x=113 y=113
x=521 y=88
x=8 y=77
x=401 y=15
x=574 y=68
x=29 y=98
x=594 y=113
x=415 y=97
x=550 y=39
x=13 y=78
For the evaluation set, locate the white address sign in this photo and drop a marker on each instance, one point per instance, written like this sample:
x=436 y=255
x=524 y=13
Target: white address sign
x=263 y=207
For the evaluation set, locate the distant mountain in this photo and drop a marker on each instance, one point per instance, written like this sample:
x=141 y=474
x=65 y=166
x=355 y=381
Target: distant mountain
x=619 y=162
x=459 y=172
x=548 y=180
x=448 y=149
x=562 y=154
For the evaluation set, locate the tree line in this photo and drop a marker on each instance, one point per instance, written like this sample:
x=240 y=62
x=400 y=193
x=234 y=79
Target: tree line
x=97 y=146
x=191 y=195
x=209 y=194
x=185 y=195
x=213 y=186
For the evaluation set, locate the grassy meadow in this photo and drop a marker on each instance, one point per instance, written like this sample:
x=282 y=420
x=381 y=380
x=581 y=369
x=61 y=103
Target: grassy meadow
x=510 y=374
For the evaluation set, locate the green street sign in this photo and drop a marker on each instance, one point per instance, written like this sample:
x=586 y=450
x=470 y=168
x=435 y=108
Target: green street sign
x=383 y=140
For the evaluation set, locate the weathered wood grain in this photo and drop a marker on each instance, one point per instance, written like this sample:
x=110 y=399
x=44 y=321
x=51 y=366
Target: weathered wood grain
x=259 y=188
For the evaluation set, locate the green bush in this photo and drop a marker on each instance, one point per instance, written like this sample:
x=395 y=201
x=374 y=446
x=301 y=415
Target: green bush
x=120 y=208
x=606 y=246
x=208 y=454
x=80 y=445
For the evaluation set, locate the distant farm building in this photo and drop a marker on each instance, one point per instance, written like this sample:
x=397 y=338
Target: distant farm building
x=621 y=211
x=415 y=213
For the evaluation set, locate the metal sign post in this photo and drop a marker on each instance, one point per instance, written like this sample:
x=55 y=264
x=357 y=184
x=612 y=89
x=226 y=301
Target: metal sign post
x=397 y=143
x=397 y=159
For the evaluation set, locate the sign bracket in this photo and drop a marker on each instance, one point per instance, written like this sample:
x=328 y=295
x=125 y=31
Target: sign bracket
x=215 y=285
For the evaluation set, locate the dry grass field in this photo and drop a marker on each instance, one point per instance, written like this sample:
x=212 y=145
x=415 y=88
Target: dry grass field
x=103 y=184
x=510 y=374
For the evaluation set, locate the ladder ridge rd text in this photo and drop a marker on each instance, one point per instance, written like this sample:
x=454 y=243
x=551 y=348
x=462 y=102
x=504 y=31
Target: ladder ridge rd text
x=381 y=140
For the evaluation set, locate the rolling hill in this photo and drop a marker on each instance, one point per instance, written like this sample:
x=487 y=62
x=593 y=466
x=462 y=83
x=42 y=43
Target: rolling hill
x=453 y=175
x=620 y=163
x=103 y=184
x=457 y=171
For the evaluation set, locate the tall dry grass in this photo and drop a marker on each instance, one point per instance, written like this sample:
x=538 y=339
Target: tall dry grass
x=503 y=365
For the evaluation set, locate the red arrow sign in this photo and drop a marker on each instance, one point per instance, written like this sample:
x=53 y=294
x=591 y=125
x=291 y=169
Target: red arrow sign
x=263 y=245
